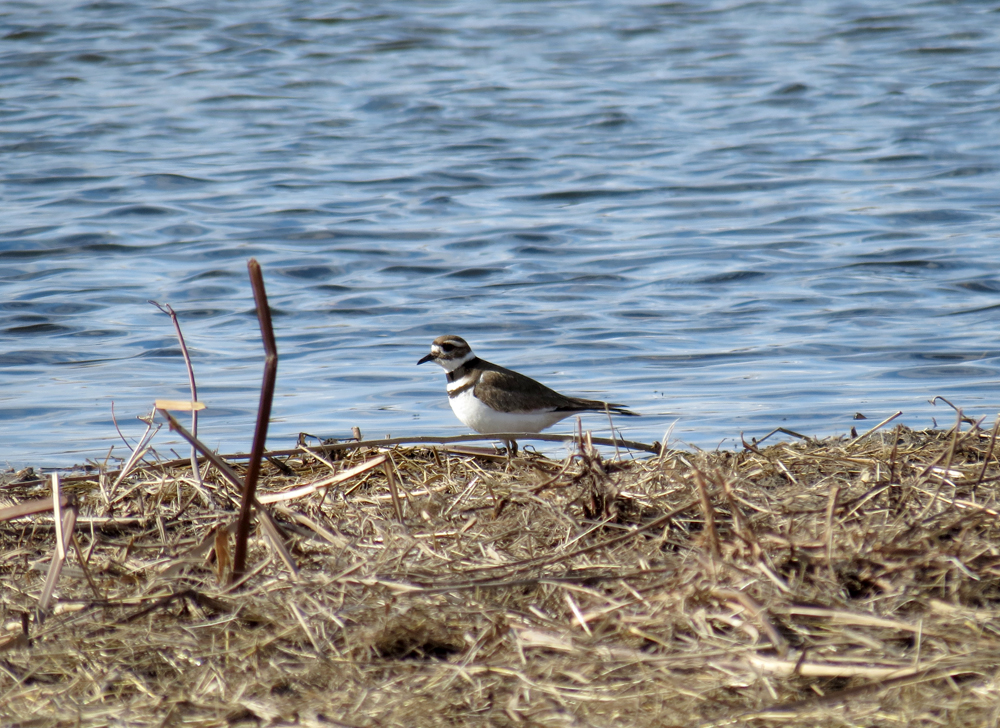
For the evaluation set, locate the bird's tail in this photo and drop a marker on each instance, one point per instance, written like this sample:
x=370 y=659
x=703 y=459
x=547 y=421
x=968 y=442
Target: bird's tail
x=593 y=405
x=619 y=409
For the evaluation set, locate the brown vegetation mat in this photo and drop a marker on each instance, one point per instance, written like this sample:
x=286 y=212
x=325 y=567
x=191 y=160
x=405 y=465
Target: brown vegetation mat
x=835 y=583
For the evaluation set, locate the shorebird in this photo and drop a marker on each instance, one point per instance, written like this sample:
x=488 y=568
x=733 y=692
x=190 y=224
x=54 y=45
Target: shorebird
x=493 y=400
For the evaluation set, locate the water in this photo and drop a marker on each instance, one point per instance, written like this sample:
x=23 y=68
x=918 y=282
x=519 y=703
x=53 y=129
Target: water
x=732 y=215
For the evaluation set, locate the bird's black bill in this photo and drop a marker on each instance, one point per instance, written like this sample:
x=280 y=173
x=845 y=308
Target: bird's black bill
x=429 y=357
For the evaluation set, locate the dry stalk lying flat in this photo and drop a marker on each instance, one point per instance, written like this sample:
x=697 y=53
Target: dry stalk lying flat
x=834 y=583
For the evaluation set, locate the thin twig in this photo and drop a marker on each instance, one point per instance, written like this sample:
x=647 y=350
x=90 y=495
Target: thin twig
x=947 y=467
x=664 y=443
x=989 y=453
x=397 y=507
x=708 y=511
x=57 y=516
x=195 y=471
x=962 y=418
x=137 y=454
x=611 y=426
x=879 y=426
x=783 y=430
x=55 y=567
x=831 y=508
x=114 y=421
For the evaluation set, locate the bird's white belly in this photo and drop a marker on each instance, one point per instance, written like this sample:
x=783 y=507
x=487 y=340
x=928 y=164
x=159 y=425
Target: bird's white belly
x=487 y=421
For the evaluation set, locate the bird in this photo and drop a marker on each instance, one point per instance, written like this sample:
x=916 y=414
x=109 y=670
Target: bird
x=493 y=400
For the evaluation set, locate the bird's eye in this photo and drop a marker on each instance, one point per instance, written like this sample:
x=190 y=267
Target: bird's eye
x=447 y=347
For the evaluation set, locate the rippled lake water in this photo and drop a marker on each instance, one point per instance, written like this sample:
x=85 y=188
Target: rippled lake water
x=732 y=215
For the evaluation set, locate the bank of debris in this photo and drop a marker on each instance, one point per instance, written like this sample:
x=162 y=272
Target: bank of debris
x=843 y=582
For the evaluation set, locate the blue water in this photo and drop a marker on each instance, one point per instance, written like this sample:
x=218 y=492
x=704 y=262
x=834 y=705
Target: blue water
x=732 y=215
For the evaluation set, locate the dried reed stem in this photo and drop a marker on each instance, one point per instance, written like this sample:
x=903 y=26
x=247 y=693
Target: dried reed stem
x=390 y=479
x=263 y=417
x=708 y=511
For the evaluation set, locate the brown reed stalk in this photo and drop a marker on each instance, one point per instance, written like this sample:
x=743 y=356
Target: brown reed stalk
x=390 y=479
x=708 y=511
x=831 y=509
x=989 y=453
x=263 y=417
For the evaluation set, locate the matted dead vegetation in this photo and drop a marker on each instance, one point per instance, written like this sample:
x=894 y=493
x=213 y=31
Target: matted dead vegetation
x=848 y=582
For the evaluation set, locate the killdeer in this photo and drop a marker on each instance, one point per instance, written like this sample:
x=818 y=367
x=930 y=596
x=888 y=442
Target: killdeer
x=493 y=400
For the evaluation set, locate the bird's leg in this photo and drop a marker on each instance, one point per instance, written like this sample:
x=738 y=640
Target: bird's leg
x=511 y=447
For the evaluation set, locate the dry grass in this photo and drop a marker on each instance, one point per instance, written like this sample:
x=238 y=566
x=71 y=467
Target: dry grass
x=835 y=583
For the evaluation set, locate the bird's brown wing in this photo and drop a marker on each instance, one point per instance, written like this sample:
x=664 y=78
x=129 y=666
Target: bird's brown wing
x=497 y=384
x=499 y=381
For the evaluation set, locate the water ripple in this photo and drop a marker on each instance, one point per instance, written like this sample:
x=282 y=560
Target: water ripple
x=659 y=204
